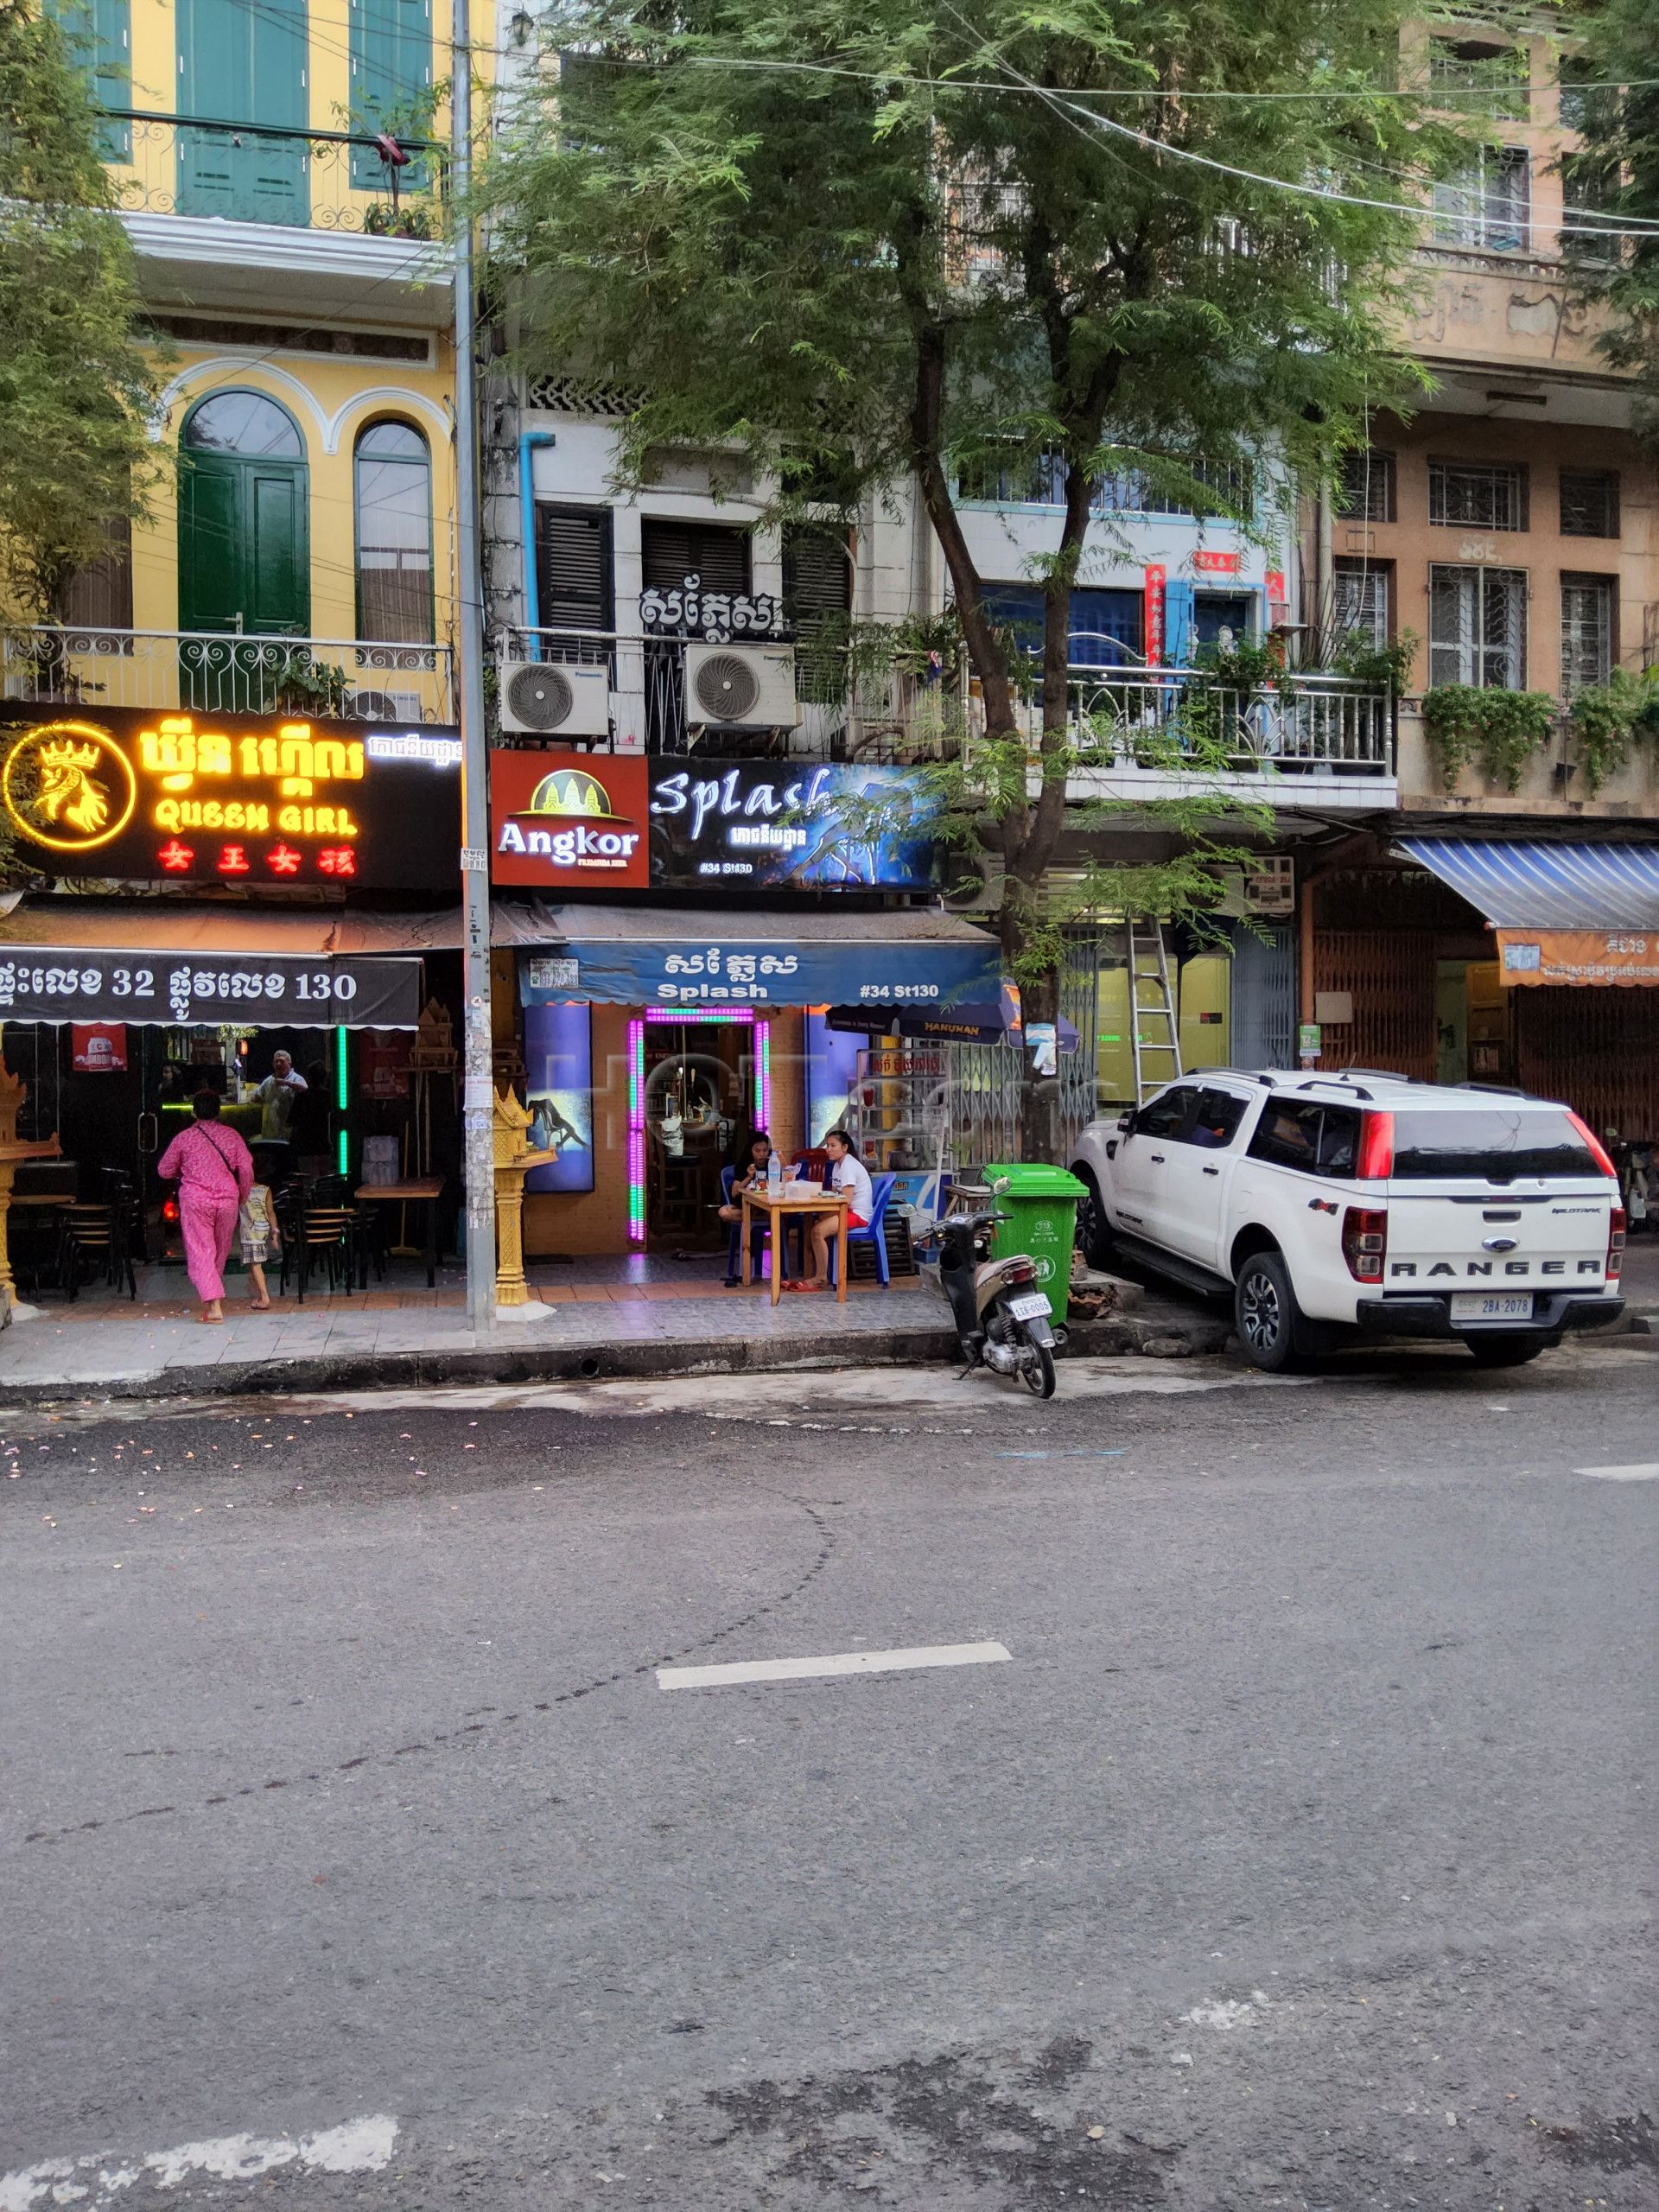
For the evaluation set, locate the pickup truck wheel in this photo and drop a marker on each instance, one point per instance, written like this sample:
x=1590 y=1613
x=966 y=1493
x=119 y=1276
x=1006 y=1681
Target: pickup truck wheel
x=1272 y=1329
x=1093 y=1235
x=1505 y=1352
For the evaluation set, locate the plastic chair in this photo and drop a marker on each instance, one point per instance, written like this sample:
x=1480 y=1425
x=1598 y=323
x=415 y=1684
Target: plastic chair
x=734 y=1242
x=872 y=1232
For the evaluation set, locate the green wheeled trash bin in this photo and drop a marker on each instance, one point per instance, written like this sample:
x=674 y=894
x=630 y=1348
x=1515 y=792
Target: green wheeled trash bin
x=1041 y=1204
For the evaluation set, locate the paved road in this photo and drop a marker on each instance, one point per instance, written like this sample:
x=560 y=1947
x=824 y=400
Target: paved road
x=1295 y=1855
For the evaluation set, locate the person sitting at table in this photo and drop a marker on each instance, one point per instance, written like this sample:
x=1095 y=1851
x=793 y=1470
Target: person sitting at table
x=750 y=1175
x=850 y=1176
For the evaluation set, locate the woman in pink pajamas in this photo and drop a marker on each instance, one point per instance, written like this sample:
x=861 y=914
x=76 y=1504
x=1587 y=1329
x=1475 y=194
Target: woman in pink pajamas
x=215 y=1173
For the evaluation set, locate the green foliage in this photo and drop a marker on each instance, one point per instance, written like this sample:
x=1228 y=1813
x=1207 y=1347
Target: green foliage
x=74 y=383
x=303 y=686
x=1385 y=668
x=1607 y=719
x=1618 y=45
x=1497 y=730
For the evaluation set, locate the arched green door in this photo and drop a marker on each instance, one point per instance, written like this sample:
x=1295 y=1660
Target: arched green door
x=244 y=542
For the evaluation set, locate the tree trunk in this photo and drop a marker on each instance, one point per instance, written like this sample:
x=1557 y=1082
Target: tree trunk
x=1041 y=1125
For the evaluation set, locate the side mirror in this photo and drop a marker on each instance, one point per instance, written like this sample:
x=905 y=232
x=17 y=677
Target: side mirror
x=1125 y=1124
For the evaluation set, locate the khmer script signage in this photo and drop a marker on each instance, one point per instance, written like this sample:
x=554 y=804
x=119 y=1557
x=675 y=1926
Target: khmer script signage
x=687 y=611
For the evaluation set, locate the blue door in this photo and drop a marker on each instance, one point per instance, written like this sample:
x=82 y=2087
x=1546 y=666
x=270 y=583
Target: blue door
x=1214 y=612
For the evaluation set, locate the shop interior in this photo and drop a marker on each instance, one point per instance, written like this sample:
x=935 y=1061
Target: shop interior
x=377 y=1108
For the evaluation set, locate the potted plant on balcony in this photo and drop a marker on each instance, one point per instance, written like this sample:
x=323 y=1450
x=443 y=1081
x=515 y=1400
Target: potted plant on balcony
x=1488 y=726
x=1607 y=719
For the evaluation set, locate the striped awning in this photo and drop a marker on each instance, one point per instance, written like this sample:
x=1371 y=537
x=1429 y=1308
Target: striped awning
x=1554 y=887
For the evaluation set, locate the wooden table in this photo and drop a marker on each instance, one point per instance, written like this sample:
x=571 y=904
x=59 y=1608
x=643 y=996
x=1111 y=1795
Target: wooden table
x=778 y=1212
x=425 y=1190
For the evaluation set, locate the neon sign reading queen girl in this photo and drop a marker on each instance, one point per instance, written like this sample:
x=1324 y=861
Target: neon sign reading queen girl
x=187 y=795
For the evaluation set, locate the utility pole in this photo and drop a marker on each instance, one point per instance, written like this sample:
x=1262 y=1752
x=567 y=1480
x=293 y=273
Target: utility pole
x=478 y=1089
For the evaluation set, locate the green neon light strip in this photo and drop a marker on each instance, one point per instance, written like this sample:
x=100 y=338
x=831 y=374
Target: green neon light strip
x=342 y=1098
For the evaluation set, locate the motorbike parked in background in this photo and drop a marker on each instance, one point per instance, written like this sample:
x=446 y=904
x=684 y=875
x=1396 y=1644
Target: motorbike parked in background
x=1003 y=1320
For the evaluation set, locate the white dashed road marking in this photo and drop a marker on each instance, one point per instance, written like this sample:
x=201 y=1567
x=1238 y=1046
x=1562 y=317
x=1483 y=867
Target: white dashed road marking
x=839 y=1662
x=1643 y=1471
x=356 y=2146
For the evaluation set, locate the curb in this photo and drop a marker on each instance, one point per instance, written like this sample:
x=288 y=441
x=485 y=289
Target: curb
x=1165 y=1338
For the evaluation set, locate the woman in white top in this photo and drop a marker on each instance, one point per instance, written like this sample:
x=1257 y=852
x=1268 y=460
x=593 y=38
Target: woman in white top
x=847 y=1173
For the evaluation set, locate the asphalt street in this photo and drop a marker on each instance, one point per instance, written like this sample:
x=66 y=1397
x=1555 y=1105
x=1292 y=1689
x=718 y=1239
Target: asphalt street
x=1298 y=1853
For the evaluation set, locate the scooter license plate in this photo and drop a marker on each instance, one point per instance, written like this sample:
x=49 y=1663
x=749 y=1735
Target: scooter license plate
x=1027 y=1308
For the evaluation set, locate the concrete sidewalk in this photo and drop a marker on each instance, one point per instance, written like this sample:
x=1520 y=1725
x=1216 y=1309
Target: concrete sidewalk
x=649 y=1318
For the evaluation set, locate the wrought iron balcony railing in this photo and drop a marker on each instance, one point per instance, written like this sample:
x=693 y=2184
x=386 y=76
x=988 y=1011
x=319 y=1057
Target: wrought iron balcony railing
x=1129 y=722
x=324 y=679
x=303 y=180
x=1148 y=719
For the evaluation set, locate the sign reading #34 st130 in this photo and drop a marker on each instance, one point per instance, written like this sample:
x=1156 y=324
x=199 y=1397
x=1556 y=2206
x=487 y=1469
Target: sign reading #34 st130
x=190 y=795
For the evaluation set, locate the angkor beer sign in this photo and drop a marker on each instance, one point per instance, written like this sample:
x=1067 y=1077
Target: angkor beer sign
x=196 y=797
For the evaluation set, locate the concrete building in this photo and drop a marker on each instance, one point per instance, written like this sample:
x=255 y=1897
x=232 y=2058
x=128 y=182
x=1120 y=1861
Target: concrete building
x=1511 y=528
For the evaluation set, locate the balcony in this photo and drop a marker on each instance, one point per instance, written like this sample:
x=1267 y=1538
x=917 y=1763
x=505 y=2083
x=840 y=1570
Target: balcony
x=214 y=209
x=323 y=679
x=1329 y=737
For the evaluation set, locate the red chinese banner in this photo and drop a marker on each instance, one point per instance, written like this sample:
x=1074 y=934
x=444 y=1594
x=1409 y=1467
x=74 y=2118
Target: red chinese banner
x=1155 y=580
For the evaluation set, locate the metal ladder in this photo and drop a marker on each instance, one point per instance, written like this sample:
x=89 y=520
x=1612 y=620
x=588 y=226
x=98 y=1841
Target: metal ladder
x=1151 y=1002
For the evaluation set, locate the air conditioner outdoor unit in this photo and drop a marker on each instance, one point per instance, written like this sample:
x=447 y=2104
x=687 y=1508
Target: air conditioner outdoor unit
x=744 y=687
x=972 y=885
x=548 y=698
x=363 y=705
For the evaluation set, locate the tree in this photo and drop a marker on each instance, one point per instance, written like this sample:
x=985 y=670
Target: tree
x=74 y=381
x=866 y=240
x=1614 y=181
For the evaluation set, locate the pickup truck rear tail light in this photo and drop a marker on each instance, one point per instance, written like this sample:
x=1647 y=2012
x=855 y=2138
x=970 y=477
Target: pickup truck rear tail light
x=1616 y=1227
x=1365 y=1239
x=1594 y=1146
x=1376 y=1147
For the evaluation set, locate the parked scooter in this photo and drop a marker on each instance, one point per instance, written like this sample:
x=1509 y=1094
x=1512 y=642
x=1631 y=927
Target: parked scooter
x=1002 y=1318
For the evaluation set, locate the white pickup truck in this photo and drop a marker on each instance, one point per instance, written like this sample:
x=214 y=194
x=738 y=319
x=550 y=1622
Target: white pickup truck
x=1327 y=1205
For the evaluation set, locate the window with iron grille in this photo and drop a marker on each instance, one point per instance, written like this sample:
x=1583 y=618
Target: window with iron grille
x=1360 y=607
x=1590 y=205
x=1588 y=101
x=1589 y=611
x=1365 y=485
x=1477 y=78
x=1039 y=480
x=1478 y=627
x=1589 y=503
x=1478 y=494
x=1487 y=205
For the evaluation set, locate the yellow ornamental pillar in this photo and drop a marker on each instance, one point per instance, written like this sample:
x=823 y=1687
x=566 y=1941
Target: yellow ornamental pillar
x=513 y=1160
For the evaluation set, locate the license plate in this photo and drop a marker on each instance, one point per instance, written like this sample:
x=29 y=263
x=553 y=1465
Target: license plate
x=1492 y=1306
x=1036 y=1302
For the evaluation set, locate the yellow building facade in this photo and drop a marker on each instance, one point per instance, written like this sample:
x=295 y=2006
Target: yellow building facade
x=278 y=171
